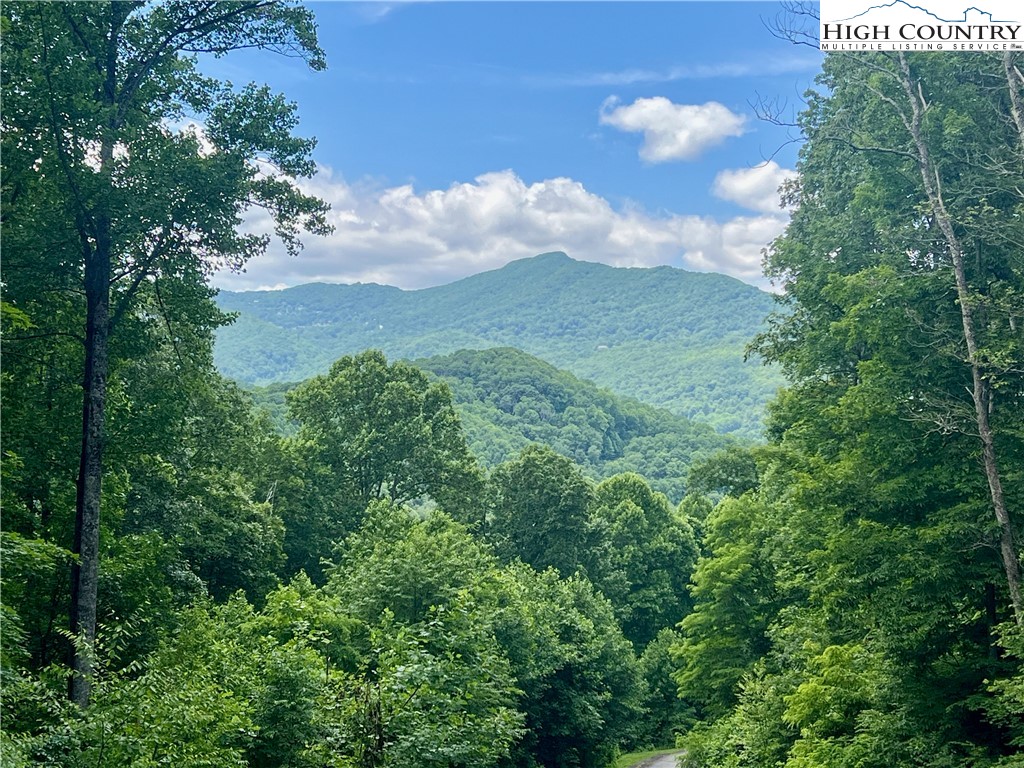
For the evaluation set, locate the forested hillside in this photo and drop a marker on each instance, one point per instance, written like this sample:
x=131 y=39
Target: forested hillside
x=507 y=400
x=667 y=337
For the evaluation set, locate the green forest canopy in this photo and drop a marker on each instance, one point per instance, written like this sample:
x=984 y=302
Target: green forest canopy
x=507 y=400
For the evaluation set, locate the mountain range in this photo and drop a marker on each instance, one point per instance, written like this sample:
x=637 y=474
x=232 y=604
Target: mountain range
x=665 y=336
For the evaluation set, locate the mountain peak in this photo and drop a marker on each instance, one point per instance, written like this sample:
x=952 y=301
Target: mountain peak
x=670 y=337
x=545 y=260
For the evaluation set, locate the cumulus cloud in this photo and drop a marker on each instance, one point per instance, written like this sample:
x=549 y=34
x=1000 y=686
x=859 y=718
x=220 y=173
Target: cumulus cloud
x=673 y=131
x=756 y=189
x=733 y=247
x=411 y=239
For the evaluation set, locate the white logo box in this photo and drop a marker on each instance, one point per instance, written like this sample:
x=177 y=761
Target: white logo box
x=935 y=25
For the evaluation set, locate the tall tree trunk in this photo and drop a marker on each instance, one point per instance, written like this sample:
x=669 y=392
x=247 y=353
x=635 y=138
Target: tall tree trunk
x=85 y=571
x=98 y=259
x=1015 y=81
x=981 y=390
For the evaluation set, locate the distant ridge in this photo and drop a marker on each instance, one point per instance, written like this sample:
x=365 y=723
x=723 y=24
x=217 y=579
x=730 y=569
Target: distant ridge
x=665 y=336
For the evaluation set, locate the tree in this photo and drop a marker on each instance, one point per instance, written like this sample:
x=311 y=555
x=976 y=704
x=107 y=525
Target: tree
x=372 y=430
x=646 y=558
x=91 y=94
x=731 y=471
x=848 y=607
x=667 y=714
x=455 y=644
x=434 y=687
x=540 y=506
x=987 y=365
x=902 y=264
x=735 y=598
x=580 y=682
x=407 y=567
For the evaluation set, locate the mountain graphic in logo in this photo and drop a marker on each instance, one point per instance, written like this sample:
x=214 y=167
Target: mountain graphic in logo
x=972 y=14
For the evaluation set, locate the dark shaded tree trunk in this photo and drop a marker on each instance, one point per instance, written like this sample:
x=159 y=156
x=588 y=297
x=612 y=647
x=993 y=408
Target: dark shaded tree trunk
x=85 y=569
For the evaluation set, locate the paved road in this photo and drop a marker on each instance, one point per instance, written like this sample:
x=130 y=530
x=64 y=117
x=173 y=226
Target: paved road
x=664 y=761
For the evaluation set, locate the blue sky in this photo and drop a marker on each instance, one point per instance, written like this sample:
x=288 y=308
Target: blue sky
x=457 y=136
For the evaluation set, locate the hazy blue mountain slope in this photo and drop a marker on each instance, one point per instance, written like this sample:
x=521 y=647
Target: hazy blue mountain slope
x=665 y=336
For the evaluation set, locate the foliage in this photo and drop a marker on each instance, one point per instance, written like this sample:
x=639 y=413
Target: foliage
x=668 y=715
x=101 y=189
x=549 y=645
x=540 y=511
x=1006 y=708
x=507 y=400
x=647 y=555
x=373 y=430
x=731 y=471
x=734 y=593
x=131 y=463
x=840 y=597
x=847 y=604
x=406 y=567
x=581 y=688
x=195 y=700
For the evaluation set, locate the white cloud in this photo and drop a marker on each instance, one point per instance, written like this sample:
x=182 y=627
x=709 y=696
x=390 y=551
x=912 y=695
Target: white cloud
x=756 y=189
x=757 y=66
x=673 y=131
x=734 y=247
x=411 y=239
